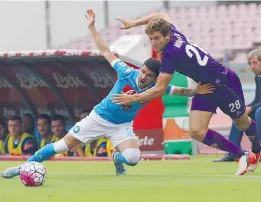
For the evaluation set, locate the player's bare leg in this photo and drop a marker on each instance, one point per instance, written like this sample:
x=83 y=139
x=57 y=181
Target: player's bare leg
x=128 y=153
x=246 y=124
x=199 y=121
x=63 y=145
x=198 y=124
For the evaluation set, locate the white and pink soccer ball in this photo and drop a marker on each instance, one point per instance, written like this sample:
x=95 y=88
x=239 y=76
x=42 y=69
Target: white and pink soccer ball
x=33 y=174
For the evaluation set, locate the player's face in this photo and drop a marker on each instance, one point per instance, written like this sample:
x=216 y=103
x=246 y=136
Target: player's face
x=26 y=123
x=158 y=41
x=58 y=128
x=255 y=65
x=146 y=77
x=43 y=127
x=14 y=127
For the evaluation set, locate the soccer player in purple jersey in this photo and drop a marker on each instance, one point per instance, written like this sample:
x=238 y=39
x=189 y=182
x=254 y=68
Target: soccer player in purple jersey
x=182 y=55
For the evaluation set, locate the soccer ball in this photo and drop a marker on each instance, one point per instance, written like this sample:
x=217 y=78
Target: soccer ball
x=33 y=174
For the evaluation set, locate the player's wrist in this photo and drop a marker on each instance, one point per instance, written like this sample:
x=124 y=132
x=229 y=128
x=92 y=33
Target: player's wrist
x=135 y=23
x=135 y=97
x=91 y=26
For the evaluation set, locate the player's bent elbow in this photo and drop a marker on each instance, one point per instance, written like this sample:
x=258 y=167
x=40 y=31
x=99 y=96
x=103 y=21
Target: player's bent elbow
x=160 y=91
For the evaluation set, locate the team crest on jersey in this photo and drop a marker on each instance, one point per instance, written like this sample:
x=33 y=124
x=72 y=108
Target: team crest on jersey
x=76 y=129
x=128 y=90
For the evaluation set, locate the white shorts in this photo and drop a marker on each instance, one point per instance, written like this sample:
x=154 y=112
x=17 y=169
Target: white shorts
x=93 y=127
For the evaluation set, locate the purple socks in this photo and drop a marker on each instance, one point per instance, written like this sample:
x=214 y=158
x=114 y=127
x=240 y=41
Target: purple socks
x=214 y=139
x=252 y=135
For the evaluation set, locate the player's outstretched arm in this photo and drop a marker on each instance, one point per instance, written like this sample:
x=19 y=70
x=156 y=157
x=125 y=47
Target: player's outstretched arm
x=190 y=92
x=155 y=92
x=129 y=23
x=100 y=43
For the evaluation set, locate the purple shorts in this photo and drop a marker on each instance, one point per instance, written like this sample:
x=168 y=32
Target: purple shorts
x=230 y=98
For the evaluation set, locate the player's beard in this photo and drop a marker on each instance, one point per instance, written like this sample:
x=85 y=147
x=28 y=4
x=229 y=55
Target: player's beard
x=142 y=84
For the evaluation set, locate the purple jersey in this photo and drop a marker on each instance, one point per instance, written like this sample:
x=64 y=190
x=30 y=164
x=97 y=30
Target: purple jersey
x=187 y=58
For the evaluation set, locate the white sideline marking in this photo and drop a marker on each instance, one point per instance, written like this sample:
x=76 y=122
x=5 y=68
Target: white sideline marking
x=155 y=174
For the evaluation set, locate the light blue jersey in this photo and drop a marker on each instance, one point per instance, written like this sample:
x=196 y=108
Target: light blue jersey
x=127 y=82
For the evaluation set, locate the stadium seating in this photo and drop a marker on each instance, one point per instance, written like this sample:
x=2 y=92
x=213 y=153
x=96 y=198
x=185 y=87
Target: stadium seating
x=216 y=28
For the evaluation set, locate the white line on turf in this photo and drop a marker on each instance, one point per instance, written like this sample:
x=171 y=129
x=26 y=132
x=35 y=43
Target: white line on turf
x=155 y=174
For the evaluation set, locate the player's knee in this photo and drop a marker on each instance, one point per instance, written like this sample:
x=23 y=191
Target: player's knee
x=70 y=141
x=132 y=156
x=242 y=122
x=60 y=146
x=197 y=133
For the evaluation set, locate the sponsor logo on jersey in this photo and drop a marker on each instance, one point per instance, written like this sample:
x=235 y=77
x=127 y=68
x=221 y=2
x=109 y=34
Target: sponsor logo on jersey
x=129 y=90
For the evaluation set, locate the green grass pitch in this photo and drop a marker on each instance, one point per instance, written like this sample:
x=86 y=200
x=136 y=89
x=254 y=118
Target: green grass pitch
x=195 y=180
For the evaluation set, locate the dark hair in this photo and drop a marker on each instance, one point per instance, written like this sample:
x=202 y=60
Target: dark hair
x=31 y=117
x=3 y=123
x=30 y=130
x=58 y=118
x=153 y=65
x=158 y=25
x=15 y=118
x=46 y=117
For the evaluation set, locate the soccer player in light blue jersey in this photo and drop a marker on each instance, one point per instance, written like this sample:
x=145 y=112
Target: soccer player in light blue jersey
x=109 y=119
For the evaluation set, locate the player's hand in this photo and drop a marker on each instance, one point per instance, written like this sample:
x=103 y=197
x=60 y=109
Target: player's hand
x=205 y=88
x=123 y=99
x=90 y=16
x=248 y=110
x=128 y=23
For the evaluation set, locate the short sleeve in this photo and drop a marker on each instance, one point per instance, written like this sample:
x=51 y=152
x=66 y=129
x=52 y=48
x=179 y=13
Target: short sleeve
x=167 y=65
x=121 y=68
x=170 y=90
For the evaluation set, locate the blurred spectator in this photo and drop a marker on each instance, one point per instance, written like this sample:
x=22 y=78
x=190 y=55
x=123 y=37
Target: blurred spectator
x=19 y=142
x=99 y=148
x=3 y=135
x=109 y=147
x=58 y=128
x=44 y=129
x=28 y=124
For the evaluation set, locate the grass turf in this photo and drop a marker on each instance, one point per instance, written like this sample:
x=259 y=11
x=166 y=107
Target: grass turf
x=196 y=180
